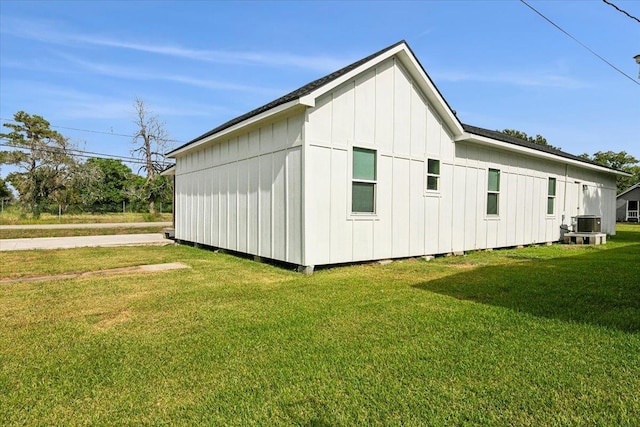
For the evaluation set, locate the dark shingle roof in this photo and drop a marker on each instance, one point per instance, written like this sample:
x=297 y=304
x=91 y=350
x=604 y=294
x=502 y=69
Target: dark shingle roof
x=291 y=96
x=522 y=143
x=633 y=187
x=316 y=84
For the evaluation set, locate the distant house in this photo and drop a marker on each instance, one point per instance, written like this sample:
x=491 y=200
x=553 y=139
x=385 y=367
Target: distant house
x=370 y=162
x=628 y=204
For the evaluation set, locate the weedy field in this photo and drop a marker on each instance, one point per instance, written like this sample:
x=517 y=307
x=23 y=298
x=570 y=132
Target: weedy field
x=15 y=216
x=534 y=336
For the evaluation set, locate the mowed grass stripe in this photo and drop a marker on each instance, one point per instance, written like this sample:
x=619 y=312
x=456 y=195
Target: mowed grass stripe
x=535 y=336
x=72 y=232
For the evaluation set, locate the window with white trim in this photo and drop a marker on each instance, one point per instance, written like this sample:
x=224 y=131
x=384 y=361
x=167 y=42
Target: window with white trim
x=433 y=175
x=551 y=197
x=363 y=185
x=493 y=192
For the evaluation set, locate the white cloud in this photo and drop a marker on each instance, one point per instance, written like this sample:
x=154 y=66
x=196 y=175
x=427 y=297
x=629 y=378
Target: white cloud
x=139 y=74
x=535 y=79
x=51 y=33
x=57 y=102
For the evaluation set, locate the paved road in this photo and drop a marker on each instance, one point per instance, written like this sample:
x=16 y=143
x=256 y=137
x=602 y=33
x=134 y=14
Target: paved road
x=83 y=241
x=93 y=225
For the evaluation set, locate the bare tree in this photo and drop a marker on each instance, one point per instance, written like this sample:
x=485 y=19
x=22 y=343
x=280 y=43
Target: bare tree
x=151 y=141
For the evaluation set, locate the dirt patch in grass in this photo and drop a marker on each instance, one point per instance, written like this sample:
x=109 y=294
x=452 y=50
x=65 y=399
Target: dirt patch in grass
x=461 y=266
x=112 y=319
x=149 y=268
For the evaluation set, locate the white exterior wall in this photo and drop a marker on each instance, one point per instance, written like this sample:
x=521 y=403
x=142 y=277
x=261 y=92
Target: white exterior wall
x=244 y=193
x=382 y=109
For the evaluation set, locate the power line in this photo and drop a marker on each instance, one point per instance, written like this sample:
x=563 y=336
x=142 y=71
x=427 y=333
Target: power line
x=580 y=43
x=621 y=11
x=80 y=152
x=85 y=154
x=93 y=131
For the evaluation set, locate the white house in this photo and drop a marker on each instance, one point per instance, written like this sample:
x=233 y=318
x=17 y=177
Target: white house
x=628 y=204
x=370 y=162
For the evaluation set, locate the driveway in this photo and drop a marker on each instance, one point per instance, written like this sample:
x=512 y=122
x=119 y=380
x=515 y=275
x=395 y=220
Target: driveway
x=84 y=241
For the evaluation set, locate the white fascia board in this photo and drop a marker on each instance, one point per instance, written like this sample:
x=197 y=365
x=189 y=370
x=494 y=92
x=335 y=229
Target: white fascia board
x=310 y=99
x=248 y=122
x=169 y=172
x=482 y=140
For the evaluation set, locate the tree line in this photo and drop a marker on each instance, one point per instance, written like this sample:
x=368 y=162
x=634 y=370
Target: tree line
x=51 y=176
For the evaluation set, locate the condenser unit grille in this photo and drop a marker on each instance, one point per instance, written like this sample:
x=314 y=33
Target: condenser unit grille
x=589 y=224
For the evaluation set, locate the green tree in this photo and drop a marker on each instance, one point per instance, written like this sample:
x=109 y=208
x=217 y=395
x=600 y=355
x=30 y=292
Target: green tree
x=621 y=161
x=539 y=139
x=151 y=141
x=103 y=183
x=5 y=192
x=42 y=158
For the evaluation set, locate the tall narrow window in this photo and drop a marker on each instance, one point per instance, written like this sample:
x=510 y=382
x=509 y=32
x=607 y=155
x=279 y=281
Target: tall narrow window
x=551 y=197
x=363 y=186
x=493 y=192
x=433 y=175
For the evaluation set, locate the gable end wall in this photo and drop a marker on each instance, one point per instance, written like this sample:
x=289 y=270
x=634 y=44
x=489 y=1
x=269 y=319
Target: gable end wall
x=384 y=110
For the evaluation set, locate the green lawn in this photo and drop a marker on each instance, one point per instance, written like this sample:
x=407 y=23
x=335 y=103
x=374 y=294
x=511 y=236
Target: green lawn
x=13 y=216
x=68 y=232
x=534 y=336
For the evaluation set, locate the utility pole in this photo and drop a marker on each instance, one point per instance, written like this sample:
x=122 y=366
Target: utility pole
x=637 y=58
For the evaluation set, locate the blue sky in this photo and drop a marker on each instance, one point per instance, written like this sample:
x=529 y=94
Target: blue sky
x=198 y=64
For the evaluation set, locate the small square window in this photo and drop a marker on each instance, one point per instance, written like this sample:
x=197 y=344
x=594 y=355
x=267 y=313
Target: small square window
x=433 y=175
x=364 y=164
x=363 y=197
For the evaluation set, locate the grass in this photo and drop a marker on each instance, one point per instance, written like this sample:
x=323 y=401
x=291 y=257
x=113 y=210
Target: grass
x=14 y=216
x=534 y=336
x=68 y=232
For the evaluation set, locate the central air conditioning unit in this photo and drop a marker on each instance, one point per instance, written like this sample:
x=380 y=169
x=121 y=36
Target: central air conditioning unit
x=588 y=224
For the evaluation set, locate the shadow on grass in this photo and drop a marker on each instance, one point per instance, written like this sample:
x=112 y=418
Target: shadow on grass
x=599 y=288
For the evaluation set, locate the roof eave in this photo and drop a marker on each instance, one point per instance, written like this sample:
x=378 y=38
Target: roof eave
x=483 y=140
x=280 y=109
x=170 y=171
x=311 y=97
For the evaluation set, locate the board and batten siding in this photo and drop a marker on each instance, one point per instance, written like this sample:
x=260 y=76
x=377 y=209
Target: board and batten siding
x=383 y=110
x=244 y=193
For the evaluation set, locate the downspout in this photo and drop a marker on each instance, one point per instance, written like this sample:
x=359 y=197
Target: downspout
x=173 y=211
x=564 y=228
x=564 y=206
